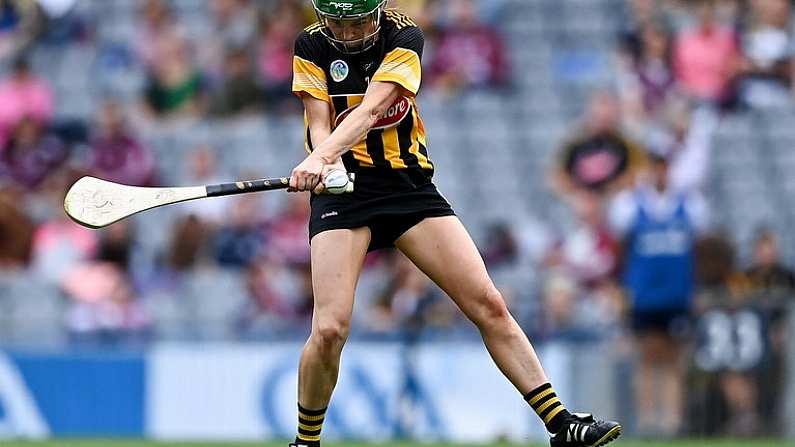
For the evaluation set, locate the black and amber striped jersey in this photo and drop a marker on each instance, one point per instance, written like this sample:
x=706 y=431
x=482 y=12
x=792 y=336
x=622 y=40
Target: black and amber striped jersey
x=397 y=140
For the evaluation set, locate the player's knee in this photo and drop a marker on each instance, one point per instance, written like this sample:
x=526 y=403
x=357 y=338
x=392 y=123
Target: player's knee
x=492 y=309
x=331 y=335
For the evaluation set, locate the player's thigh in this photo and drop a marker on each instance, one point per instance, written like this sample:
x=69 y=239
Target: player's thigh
x=337 y=258
x=443 y=249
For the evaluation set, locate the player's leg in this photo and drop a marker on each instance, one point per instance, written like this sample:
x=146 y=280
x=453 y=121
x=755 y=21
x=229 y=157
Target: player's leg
x=646 y=390
x=672 y=386
x=741 y=395
x=442 y=248
x=658 y=376
x=337 y=258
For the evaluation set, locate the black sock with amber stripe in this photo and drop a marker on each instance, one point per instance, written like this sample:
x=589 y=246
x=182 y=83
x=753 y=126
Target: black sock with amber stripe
x=310 y=422
x=548 y=407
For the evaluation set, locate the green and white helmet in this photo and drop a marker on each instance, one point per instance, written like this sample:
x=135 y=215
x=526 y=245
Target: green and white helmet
x=352 y=26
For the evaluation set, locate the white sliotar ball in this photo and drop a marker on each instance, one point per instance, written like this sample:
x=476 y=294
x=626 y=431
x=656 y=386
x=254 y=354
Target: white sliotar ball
x=337 y=182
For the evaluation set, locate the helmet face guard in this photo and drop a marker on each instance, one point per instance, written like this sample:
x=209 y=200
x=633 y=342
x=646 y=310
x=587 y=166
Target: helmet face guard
x=351 y=33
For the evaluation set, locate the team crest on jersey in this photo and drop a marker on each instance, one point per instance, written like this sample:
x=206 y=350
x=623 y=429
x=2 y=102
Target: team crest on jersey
x=339 y=70
x=393 y=116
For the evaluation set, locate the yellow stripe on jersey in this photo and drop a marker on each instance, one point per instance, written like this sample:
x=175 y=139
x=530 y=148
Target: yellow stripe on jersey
x=359 y=150
x=392 y=148
x=309 y=78
x=401 y=20
x=402 y=67
x=361 y=155
x=313 y=28
x=417 y=138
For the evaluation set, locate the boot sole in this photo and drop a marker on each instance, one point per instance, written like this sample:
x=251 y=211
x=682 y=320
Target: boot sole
x=609 y=437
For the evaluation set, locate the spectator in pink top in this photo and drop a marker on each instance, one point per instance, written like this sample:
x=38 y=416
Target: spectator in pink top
x=23 y=95
x=116 y=154
x=705 y=57
x=469 y=54
x=275 y=53
x=59 y=245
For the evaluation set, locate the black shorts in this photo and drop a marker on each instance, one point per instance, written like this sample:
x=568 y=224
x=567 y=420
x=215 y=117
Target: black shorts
x=388 y=201
x=669 y=321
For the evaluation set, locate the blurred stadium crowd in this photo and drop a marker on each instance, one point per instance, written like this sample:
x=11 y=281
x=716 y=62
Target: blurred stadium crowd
x=638 y=156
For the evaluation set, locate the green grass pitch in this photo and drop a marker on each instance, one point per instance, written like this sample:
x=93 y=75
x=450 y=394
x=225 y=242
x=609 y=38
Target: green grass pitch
x=619 y=443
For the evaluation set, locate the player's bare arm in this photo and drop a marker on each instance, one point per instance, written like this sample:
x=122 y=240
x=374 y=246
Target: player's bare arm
x=379 y=96
x=377 y=99
x=318 y=117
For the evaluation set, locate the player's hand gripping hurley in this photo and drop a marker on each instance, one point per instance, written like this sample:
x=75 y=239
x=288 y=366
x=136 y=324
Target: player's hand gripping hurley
x=97 y=203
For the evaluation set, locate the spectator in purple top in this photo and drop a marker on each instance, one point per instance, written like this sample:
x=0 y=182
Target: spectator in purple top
x=469 y=54
x=31 y=154
x=116 y=154
x=650 y=79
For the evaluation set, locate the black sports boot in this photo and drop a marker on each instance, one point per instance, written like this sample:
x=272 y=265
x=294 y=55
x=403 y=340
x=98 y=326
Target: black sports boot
x=582 y=430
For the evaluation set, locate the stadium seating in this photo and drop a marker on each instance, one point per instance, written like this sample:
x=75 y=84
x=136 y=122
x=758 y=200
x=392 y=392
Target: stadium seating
x=560 y=51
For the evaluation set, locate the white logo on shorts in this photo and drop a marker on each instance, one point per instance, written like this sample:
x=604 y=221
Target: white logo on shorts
x=329 y=214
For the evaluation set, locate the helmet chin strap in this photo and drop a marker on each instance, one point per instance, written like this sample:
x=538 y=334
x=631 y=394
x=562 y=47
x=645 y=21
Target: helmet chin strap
x=356 y=46
x=366 y=43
